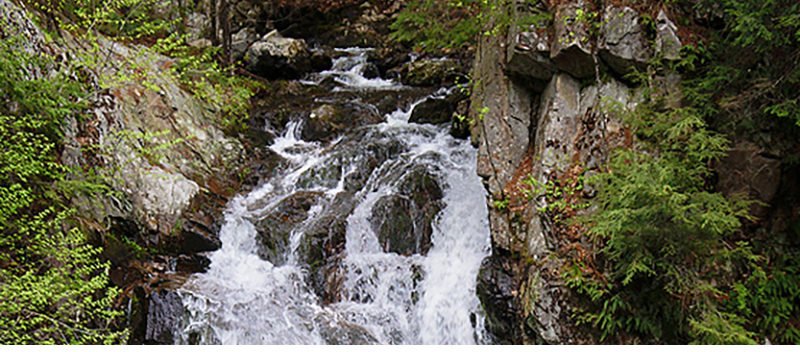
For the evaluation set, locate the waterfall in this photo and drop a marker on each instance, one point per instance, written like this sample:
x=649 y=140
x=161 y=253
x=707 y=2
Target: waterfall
x=426 y=297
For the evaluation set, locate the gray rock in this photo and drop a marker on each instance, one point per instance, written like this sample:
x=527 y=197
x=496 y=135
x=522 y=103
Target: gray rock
x=558 y=125
x=750 y=170
x=164 y=310
x=329 y=120
x=275 y=227
x=242 y=40
x=274 y=56
x=668 y=43
x=502 y=111
x=403 y=221
x=198 y=26
x=496 y=288
x=623 y=45
x=429 y=72
x=571 y=49
x=438 y=109
x=528 y=51
x=340 y=332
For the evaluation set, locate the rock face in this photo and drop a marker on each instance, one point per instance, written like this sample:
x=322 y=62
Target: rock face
x=535 y=120
x=164 y=310
x=623 y=43
x=751 y=171
x=528 y=51
x=160 y=151
x=668 y=43
x=572 y=45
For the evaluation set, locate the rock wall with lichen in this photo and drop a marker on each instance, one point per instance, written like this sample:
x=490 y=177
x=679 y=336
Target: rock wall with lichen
x=545 y=104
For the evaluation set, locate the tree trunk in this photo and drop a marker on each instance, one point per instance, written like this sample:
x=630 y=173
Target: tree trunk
x=225 y=25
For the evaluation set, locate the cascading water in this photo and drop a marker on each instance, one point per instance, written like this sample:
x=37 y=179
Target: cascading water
x=383 y=297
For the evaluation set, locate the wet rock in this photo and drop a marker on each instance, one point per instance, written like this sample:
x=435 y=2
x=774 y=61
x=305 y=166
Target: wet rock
x=337 y=332
x=322 y=246
x=496 y=290
x=164 y=310
x=321 y=60
x=192 y=263
x=437 y=109
x=571 y=49
x=752 y=171
x=668 y=43
x=198 y=236
x=429 y=72
x=275 y=56
x=403 y=221
x=388 y=58
x=242 y=40
x=370 y=71
x=329 y=120
x=623 y=45
x=275 y=228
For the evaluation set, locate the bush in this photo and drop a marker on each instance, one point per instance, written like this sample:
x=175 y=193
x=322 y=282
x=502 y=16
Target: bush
x=53 y=287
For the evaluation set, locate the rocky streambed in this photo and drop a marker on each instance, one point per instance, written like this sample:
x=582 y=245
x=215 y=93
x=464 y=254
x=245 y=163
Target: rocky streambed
x=369 y=228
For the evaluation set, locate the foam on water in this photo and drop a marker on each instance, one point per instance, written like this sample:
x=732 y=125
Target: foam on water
x=430 y=299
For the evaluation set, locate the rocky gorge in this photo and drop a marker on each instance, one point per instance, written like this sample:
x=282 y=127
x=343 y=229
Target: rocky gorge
x=377 y=193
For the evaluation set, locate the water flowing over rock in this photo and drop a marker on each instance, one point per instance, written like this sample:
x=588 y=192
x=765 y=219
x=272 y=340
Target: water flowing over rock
x=372 y=236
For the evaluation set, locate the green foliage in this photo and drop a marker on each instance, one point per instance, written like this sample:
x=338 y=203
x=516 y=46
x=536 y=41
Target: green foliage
x=752 y=71
x=53 y=287
x=661 y=230
x=435 y=25
x=769 y=298
x=122 y=19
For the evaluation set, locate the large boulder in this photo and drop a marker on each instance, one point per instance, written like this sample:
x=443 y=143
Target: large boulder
x=429 y=72
x=275 y=228
x=403 y=221
x=571 y=49
x=242 y=40
x=496 y=288
x=275 y=56
x=330 y=120
x=437 y=109
x=623 y=44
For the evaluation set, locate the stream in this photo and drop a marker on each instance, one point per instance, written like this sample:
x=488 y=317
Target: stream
x=282 y=276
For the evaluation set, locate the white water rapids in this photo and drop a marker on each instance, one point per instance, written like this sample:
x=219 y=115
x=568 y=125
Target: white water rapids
x=385 y=298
